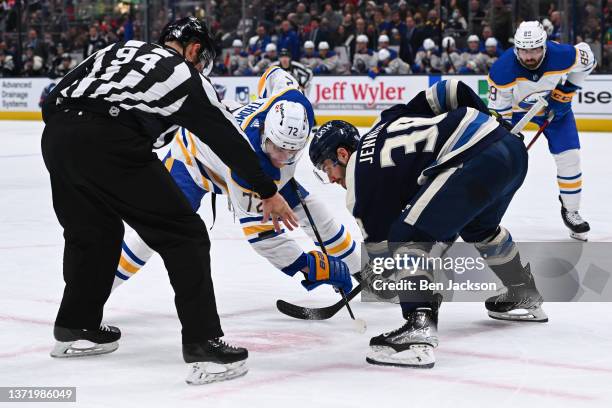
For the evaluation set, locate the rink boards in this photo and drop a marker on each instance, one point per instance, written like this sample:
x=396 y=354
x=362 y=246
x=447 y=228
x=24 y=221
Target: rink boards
x=357 y=99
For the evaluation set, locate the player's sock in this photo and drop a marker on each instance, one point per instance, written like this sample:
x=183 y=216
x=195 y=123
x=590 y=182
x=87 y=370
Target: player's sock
x=569 y=179
x=134 y=254
x=504 y=259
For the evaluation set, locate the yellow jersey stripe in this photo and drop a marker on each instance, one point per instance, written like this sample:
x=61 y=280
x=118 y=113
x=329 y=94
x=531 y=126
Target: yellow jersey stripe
x=341 y=246
x=576 y=184
x=124 y=263
x=256 y=229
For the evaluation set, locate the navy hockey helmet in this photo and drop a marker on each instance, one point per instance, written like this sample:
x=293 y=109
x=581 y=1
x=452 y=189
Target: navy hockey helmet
x=187 y=30
x=329 y=137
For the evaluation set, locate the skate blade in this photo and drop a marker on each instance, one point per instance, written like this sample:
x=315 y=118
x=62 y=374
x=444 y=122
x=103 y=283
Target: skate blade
x=207 y=373
x=580 y=236
x=69 y=349
x=417 y=356
x=535 y=314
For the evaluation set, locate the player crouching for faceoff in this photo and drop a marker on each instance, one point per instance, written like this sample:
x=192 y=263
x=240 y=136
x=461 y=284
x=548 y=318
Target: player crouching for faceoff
x=536 y=67
x=427 y=171
x=277 y=129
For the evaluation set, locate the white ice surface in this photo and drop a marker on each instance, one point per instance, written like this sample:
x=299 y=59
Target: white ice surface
x=480 y=362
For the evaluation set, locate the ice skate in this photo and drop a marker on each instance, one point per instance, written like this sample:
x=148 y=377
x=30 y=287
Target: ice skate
x=409 y=346
x=214 y=361
x=578 y=227
x=83 y=342
x=521 y=303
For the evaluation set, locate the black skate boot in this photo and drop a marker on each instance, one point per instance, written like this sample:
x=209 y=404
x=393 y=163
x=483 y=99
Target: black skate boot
x=520 y=297
x=213 y=361
x=578 y=227
x=409 y=346
x=104 y=341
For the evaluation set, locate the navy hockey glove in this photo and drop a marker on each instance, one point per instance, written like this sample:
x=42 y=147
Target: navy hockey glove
x=560 y=99
x=325 y=269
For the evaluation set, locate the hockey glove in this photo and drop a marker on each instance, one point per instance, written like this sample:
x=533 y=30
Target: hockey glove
x=325 y=269
x=560 y=99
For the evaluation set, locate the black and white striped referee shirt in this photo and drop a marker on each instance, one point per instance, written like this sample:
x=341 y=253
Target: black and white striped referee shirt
x=153 y=90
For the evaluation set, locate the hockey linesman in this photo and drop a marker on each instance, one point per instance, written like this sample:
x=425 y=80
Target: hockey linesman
x=102 y=121
x=427 y=171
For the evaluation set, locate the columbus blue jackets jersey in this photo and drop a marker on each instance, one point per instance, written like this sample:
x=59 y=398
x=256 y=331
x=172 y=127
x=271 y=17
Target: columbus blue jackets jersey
x=441 y=127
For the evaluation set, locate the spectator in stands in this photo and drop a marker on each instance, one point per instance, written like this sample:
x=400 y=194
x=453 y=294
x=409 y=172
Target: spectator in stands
x=32 y=64
x=427 y=59
x=302 y=18
x=500 y=19
x=310 y=58
x=555 y=19
x=383 y=44
x=315 y=33
x=433 y=26
x=258 y=43
x=333 y=17
x=238 y=60
x=330 y=63
x=348 y=25
x=389 y=65
x=289 y=39
x=64 y=67
x=7 y=65
x=457 y=22
x=35 y=43
x=408 y=45
x=364 y=58
x=450 y=58
x=474 y=61
x=477 y=15
x=268 y=58
x=492 y=53
x=94 y=42
x=397 y=23
x=381 y=24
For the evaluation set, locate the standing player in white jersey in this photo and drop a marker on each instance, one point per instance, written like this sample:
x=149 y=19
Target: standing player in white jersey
x=277 y=128
x=537 y=68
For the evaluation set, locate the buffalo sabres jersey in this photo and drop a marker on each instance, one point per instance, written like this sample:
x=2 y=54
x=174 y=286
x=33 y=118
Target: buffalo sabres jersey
x=441 y=127
x=514 y=89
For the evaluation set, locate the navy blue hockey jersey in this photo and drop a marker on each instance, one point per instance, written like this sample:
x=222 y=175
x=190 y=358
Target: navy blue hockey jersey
x=440 y=128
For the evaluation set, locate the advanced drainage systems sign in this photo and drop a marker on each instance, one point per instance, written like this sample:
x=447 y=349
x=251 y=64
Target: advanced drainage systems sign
x=21 y=94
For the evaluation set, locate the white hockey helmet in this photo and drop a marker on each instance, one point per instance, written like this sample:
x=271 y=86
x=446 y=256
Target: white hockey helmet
x=270 y=47
x=429 y=44
x=491 y=42
x=309 y=45
x=548 y=26
x=362 y=38
x=323 y=45
x=530 y=35
x=237 y=43
x=448 y=42
x=286 y=127
x=383 y=38
x=383 y=54
x=473 y=38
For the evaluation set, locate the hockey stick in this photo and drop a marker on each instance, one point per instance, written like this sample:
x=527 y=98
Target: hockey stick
x=549 y=119
x=539 y=105
x=285 y=306
x=318 y=313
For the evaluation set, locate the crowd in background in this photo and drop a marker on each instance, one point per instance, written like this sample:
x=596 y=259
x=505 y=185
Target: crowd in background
x=329 y=37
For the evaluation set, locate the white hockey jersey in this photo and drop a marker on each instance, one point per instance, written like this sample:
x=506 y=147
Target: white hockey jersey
x=198 y=170
x=514 y=89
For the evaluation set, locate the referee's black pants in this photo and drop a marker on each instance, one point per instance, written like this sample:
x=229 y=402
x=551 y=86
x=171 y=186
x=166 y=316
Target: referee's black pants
x=102 y=173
